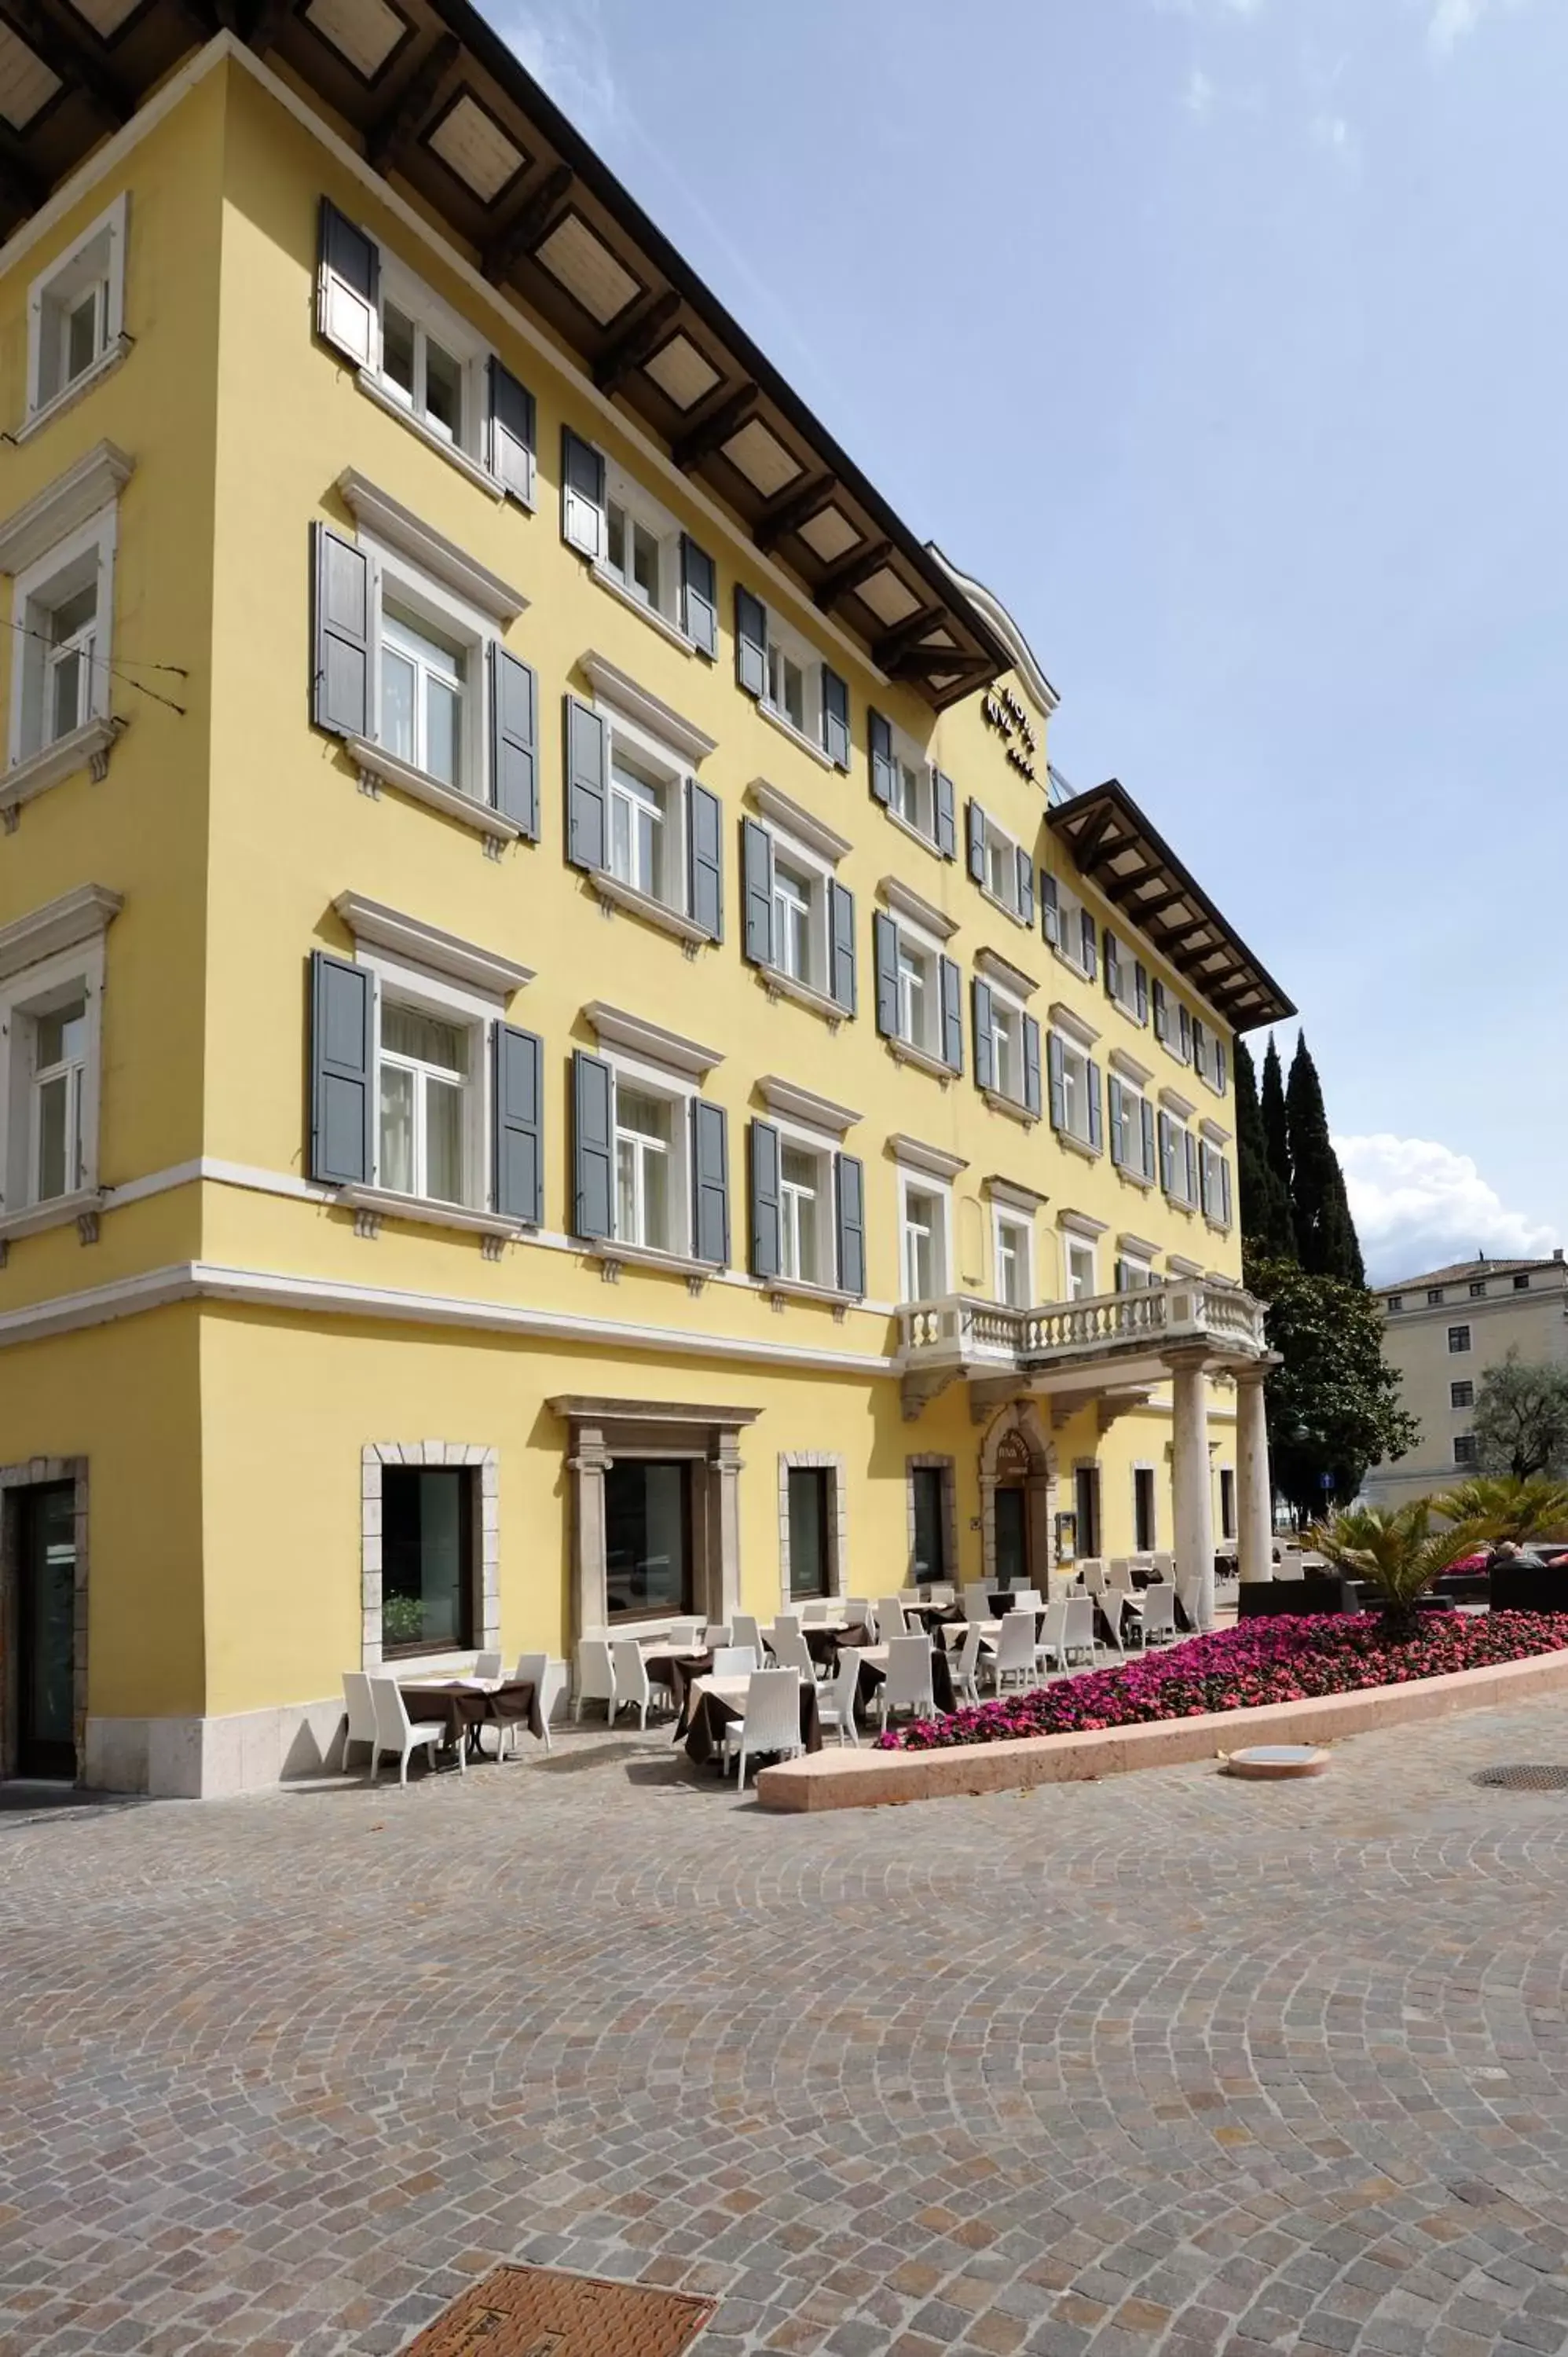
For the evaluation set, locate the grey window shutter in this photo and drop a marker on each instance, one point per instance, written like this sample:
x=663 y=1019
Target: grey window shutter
x=1184 y=1034
x=879 y=740
x=1146 y=1119
x=984 y=1063
x=1031 y=1066
x=1118 y=1126
x=885 y=945
x=582 y=494
x=835 y=719
x=1087 y=937
x=710 y=1182
x=514 y=779
x=841 y=946
x=518 y=1077
x=342 y=1069
x=512 y=428
x=952 y=1014
x=1162 y=1012
x=1140 y=990
x=1189 y=1149
x=1224 y=1192
x=704 y=860
x=1112 y=964
x=1095 y=1132
x=1025 y=886
x=766 y=1253
x=850 y=1190
x=976 y=842
x=1220 y=1076
x=750 y=642
x=1205 y=1180
x=1168 y=1154
x=340 y=689
x=1199 y=1046
x=699 y=597
x=946 y=800
x=593 y=1146
x=348 y=285
x=586 y=785
x=1050 y=911
x=1054 y=1067
x=756 y=871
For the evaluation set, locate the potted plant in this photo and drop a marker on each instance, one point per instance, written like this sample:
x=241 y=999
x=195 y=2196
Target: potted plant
x=1503 y=1507
x=1396 y=1552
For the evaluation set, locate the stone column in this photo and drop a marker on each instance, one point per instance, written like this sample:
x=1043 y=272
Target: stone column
x=724 y=1455
x=1190 y=1480
x=587 y=1466
x=1254 y=1489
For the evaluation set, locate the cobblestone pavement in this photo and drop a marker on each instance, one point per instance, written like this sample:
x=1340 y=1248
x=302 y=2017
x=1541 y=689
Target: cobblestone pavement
x=1167 y=2064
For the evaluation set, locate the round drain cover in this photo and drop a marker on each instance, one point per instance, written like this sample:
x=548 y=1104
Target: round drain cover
x=1528 y=1779
x=1272 y=1760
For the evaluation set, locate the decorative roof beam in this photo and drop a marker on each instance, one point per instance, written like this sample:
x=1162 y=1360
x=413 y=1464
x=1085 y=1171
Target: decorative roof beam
x=536 y=216
x=792 y=509
x=1087 y=839
x=851 y=571
x=400 y=119
x=894 y=644
x=637 y=341
x=70 y=57
x=21 y=183
x=712 y=432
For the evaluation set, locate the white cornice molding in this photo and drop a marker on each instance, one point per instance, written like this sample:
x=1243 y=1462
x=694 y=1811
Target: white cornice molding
x=1013 y=1192
x=638 y=1037
x=1138 y=1246
x=77 y=916
x=1128 y=1067
x=775 y=806
x=905 y=901
x=387 y=520
x=1215 y=1133
x=1180 y=1106
x=1067 y=1020
x=1002 y=970
x=912 y=1154
x=426 y=945
x=93 y=483
x=795 y=1104
x=619 y=690
x=1179 y=1266
x=1078 y=1224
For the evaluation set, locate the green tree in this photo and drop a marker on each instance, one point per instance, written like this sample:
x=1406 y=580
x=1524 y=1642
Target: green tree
x=1320 y=1207
x=1277 y=1135
x=1333 y=1404
x=1264 y=1199
x=1396 y=1550
x=1520 y=1422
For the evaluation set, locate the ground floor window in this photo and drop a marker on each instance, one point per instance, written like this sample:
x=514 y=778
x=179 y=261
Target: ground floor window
x=927 y=1492
x=810 y=1554
x=648 y=1538
x=1226 y=1502
x=1086 y=1502
x=427 y=1523
x=1144 y=1528
x=45 y=1634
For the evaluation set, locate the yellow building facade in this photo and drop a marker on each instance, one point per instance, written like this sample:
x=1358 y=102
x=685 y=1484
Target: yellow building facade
x=568 y=1061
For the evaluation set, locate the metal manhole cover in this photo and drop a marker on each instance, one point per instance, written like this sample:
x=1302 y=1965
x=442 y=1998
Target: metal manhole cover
x=1526 y=1779
x=535 y=2312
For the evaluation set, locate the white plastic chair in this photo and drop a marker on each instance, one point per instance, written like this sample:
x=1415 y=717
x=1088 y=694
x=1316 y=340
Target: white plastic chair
x=684 y=1634
x=942 y=1593
x=908 y=1686
x=1121 y=1571
x=1159 y=1614
x=361 y=1726
x=788 y=1623
x=835 y=1700
x=791 y=1652
x=1164 y=1565
x=487 y=1665
x=815 y=1612
x=633 y=1689
x=857 y=1611
x=976 y=1601
x=532 y=1670
x=395 y=1731
x=1052 y=1648
x=772 y=1721
x=890 y=1621
x=1024 y=1599
x=1089 y=1570
x=965 y=1664
x=1014 y=1654
x=734 y=1660
x=1078 y=1632
x=715 y=1633
x=744 y=1630
x=595 y=1676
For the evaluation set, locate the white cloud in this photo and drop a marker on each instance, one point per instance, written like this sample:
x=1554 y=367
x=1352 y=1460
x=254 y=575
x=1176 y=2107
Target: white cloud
x=1450 y=21
x=1199 y=96
x=564 y=48
x=1418 y=1205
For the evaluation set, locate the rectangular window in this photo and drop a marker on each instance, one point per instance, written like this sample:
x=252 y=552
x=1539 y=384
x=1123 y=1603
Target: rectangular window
x=1086 y=1500
x=648 y=1538
x=810 y=1554
x=927 y=1490
x=640 y=835
x=1006 y=1049
x=1466 y=1450
x=1462 y=1394
x=1014 y=1275
x=1132 y=1275
x=425 y=1071
x=1076 y=1092
x=925 y=1243
x=1477 y=1289
x=642 y=547
x=1459 y=1339
x=1521 y=1283
x=430 y=360
x=49 y=1046
x=1226 y=1502
x=1080 y=1272
x=792 y=926
x=427 y=1546
x=60 y=655
x=792 y=690
x=803 y=1202
x=58 y=1089
x=644 y=1129
x=75 y=311
x=919 y=1014
x=1434 y=1296
x=1396 y=1303
x=1144 y=1533
x=423 y=680
x=913 y=797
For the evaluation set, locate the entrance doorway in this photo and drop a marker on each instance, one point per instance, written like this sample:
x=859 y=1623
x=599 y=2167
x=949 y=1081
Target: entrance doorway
x=1014 y=1561
x=1086 y=1500
x=46 y=1631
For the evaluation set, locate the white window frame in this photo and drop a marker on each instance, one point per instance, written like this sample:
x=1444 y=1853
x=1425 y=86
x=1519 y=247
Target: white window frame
x=1140 y=1271
x=1076 y=1251
x=784 y=639
x=648 y=756
x=430 y=317
x=448 y=1002
x=999 y=844
x=914 y=778
x=1134 y=1097
x=1075 y=1060
x=453 y=615
x=1070 y=911
x=36 y=990
x=792 y=1140
x=90 y=546
x=1017 y=1226
x=925 y=949
x=80 y=261
x=920 y=1183
x=1462 y=1406
x=1460 y=1350
x=1466 y=1442
x=654 y=1081
x=640 y=509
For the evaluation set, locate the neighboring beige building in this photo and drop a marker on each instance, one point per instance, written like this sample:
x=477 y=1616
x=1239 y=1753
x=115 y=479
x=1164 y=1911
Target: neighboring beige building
x=1442 y=1331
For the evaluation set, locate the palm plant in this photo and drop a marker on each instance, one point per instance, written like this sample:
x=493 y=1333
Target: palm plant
x=1395 y=1550
x=1503 y=1506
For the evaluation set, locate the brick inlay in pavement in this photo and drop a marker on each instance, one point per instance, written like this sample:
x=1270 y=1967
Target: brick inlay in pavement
x=1163 y=2067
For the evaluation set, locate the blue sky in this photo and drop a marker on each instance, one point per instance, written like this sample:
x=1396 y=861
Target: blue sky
x=1227 y=340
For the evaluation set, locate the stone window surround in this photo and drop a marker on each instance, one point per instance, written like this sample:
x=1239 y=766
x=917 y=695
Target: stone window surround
x=373 y=1457
x=929 y=1461
x=838 y=1519
x=32 y=1473
x=1020 y=1417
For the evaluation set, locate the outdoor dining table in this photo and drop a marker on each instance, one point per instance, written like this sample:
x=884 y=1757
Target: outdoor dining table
x=874 y=1671
x=469 y=1703
x=712 y=1704
x=824 y=1639
x=668 y=1665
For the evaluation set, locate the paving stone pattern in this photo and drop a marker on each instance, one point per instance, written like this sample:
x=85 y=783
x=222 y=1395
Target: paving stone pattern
x=1167 y=2064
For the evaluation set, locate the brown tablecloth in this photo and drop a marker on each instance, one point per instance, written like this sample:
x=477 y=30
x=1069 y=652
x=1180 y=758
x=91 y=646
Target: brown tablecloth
x=705 y=1717
x=823 y=1644
x=872 y=1674
x=465 y=1709
x=676 y=1671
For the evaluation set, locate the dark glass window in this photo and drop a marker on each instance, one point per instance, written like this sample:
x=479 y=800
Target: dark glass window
x=808 y=1530
x=1144 y=1538
x=427 y=1525
x=1086 y=1500
x=930 y=1523
x=1226 y=1502
x=648 y=1538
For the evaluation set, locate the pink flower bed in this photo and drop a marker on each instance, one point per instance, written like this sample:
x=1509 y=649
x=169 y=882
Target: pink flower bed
x=1263 y=1661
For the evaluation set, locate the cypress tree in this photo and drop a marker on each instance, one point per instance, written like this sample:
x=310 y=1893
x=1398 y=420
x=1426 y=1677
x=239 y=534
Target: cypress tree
x=1325 y=1230
x=1276 y=1129
x=1266 y=1206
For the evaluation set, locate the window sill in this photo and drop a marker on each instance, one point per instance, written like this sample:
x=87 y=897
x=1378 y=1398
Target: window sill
x=778 y=985
x=612 y=1253
x=614 y=893
x=377 y=767
x=372 y=1205
x=83 y=1206
x=797 y=737
x=84 y=749
x=480 y=477
x=1215 y=1227
x=1213 y=1086
x=1005 y=908
x=1010 y=1106
x=797 y=1289
x=904 y=1051
x=650 y=614
x=1134 y=1178
x=108 y=360
x=1084 y=973
x=1078 y=1145
x=926 y=842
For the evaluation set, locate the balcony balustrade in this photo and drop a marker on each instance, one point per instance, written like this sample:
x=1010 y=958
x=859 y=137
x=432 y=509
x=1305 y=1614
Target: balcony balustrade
x=1126 y=1334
